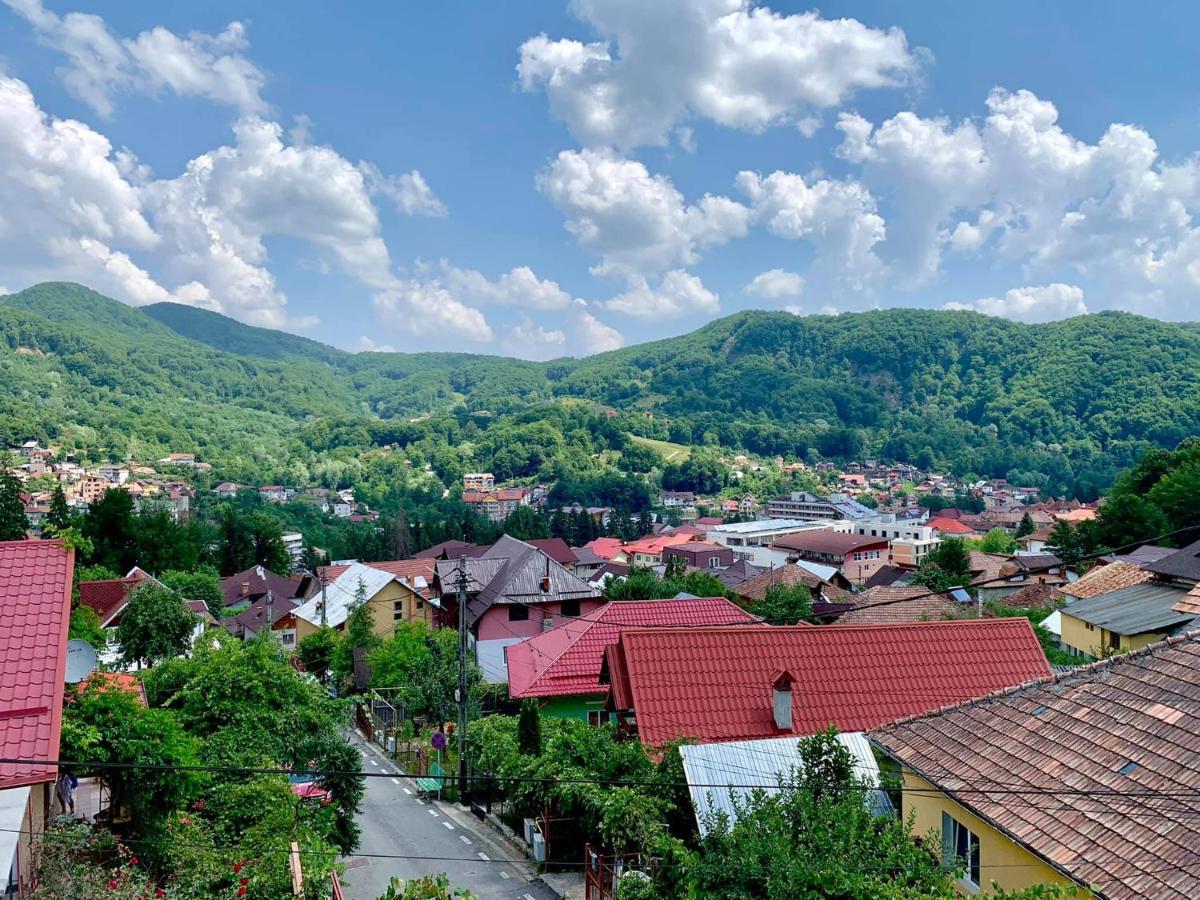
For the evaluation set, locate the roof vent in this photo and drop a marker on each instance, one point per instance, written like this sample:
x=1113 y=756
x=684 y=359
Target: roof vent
x=781 y=700
x=1039 y=709
x=1127 y=769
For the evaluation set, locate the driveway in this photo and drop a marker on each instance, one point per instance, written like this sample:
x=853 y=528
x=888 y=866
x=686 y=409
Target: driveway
x=405 y=836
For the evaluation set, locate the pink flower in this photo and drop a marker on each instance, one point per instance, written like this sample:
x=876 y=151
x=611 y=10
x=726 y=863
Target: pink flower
x=185 y=821
x=112 y=885
x=133 y=860
x=244 y=882
x=241 y=891
x=237 y=867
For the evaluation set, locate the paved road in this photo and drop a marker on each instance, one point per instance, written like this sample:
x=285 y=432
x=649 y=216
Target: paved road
x=433 y=837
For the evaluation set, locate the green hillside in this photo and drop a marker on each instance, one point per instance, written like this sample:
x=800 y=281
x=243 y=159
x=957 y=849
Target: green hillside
x=1067 y=404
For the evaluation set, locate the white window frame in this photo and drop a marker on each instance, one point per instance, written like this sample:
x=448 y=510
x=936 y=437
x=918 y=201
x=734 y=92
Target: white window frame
x=956 y=835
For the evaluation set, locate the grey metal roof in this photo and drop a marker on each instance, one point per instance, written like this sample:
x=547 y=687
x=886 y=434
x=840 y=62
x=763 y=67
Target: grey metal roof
x=1184 y=563
x=342 y=593
x=1137 y=609
x=763 y=763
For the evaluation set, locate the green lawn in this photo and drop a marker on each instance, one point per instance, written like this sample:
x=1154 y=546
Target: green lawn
x=674 y=453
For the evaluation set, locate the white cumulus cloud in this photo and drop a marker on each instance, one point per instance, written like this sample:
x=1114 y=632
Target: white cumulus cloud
x=775 y=284
x=100 y=63
x=1017 y=188
x=369 y=345
x=733 y=62
x=1047 y=303
x=595 y=336
x=678 y=293
x=410 y=192
x=519 y=287
x=639 y=223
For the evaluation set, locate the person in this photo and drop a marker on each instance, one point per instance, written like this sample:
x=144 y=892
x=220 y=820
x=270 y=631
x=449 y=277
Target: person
x=64 y=790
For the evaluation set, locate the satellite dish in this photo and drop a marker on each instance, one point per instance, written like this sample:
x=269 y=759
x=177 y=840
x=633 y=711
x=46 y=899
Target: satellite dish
x=81 y=660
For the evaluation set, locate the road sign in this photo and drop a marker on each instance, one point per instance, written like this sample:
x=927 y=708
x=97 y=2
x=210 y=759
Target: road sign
x=438 y=741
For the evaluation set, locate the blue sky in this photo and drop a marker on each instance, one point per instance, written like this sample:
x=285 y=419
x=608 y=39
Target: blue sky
x=542 y=179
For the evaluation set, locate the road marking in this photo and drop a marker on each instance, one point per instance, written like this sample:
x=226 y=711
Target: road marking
x=527 y=896
x=406 y=790
x=484 y=856
x=419 y=801
x=449 y=827
x=372 y=762
x=433 y=812
x=505 y=875
x=464 y=839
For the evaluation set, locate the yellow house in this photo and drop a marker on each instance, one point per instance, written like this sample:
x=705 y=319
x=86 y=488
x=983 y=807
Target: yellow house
x=988 y=855
x=1064 y=781
x=392 y=597
x=1121 y=620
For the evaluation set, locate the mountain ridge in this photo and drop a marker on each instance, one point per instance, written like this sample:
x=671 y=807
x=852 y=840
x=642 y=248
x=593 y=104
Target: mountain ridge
x=1073 y=399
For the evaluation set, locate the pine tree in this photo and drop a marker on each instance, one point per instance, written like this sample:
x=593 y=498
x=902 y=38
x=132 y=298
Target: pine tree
x=402 y=539
x=13 y=524
x=529 y=729
x=59 y=516
x=1026 y=526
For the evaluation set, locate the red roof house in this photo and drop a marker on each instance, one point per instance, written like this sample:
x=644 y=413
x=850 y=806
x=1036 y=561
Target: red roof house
x=566 y=661
x=109 y=596
x=947 y=525
x=717 y=684
x=35 y=614
x=605 y=547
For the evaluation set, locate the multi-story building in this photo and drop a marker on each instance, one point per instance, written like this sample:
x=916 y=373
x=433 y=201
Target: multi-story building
x=856 y=556
x=752 y=541
x=479 y=481
x=804 y=505
x=497 y=505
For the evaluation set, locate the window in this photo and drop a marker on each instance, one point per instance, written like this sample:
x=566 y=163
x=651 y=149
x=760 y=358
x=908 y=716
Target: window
x=1089 y=626
x=1114 y=641
x=960 y=847
x=597 y=717
x=569 y=608
x=420 y=604
x=714 y=562
x=518 y=613
x=287 y=637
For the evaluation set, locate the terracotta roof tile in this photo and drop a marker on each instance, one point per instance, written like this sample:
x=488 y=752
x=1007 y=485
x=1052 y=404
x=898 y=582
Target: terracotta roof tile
x=566 y=660
x=755 y=589
x=1103 y=579
x=1114 y=744
x=35 y=612
x=896 y=604
x=715 y=683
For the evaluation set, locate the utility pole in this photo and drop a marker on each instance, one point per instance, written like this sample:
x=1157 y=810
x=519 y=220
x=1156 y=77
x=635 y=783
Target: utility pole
x=324 y=598
x=461 y=693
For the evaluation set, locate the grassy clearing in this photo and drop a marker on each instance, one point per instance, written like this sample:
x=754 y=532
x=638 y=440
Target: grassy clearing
x=673 y=453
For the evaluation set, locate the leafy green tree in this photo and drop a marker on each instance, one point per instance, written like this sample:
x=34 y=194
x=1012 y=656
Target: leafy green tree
x=248 y=540
x=529 y=728
x=525 y=524
x=85 y=626
x=109 y=525
x=814 y=838
x=786 y=604
x=1026 y=526
x=316 y=651
x=162 y=544
x=106 y=727
x=947 y=566
x=426 y=887
x=1070 y=543
x=1128 y=519
x=13 y=523
x=200 y=585
x=155 y=625
x=998 y=541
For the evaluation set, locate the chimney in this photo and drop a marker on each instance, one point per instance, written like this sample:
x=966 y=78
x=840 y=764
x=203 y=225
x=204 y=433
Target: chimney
x=245 y=589
x=781 y=700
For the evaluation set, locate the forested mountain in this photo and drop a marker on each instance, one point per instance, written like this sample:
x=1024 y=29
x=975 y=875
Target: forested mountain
x=1068 y=403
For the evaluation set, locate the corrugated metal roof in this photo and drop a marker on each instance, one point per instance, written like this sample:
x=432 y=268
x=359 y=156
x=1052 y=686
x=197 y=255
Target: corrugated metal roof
x=342 y=593
x=763 y=763
x=1137 y=609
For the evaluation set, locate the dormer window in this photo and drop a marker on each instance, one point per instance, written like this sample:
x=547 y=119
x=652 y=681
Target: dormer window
x=781 y=700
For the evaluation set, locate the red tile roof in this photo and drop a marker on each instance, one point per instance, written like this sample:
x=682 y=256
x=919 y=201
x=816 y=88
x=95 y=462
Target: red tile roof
x=35 y=612
x=566 y=660
x=715 y=684
x=949 y=526
x=837 y=543
x=116 y=681
x=556 y=549
x=107 y=597
x=605 y=547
